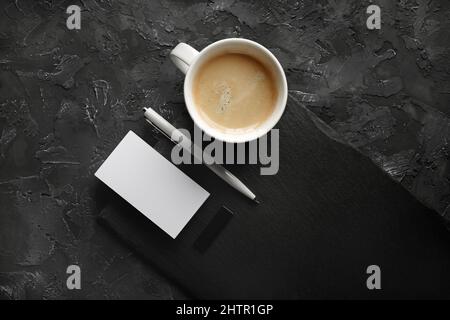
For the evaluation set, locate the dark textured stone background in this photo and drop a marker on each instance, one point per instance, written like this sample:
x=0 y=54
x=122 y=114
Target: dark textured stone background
x=68 y=97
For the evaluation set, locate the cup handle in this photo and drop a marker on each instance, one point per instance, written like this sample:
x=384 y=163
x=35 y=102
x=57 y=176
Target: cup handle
x=183 y=55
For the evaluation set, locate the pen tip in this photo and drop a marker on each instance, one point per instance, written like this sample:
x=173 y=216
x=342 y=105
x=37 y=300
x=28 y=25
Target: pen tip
x=256 y=201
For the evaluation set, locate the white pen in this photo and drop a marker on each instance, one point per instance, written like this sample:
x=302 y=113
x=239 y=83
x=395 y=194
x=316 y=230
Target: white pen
x=178 y=137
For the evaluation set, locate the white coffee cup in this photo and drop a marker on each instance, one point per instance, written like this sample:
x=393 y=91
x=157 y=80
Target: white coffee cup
x=188 y=60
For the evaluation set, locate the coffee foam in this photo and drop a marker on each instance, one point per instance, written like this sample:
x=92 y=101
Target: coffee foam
x=234 y=92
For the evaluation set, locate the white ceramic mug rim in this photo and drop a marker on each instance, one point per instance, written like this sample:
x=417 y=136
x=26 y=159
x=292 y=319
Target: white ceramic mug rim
x=217 y=133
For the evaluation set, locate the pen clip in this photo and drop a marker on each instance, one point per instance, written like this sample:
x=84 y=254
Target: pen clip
x=163 y=133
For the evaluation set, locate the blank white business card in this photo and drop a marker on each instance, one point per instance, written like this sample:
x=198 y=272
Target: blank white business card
x=152 y=184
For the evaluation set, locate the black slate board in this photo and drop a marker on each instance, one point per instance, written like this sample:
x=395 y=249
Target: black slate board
x=327 y=215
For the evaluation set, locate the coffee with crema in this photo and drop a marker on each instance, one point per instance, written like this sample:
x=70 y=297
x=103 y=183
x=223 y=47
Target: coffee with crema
x=234 y=92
